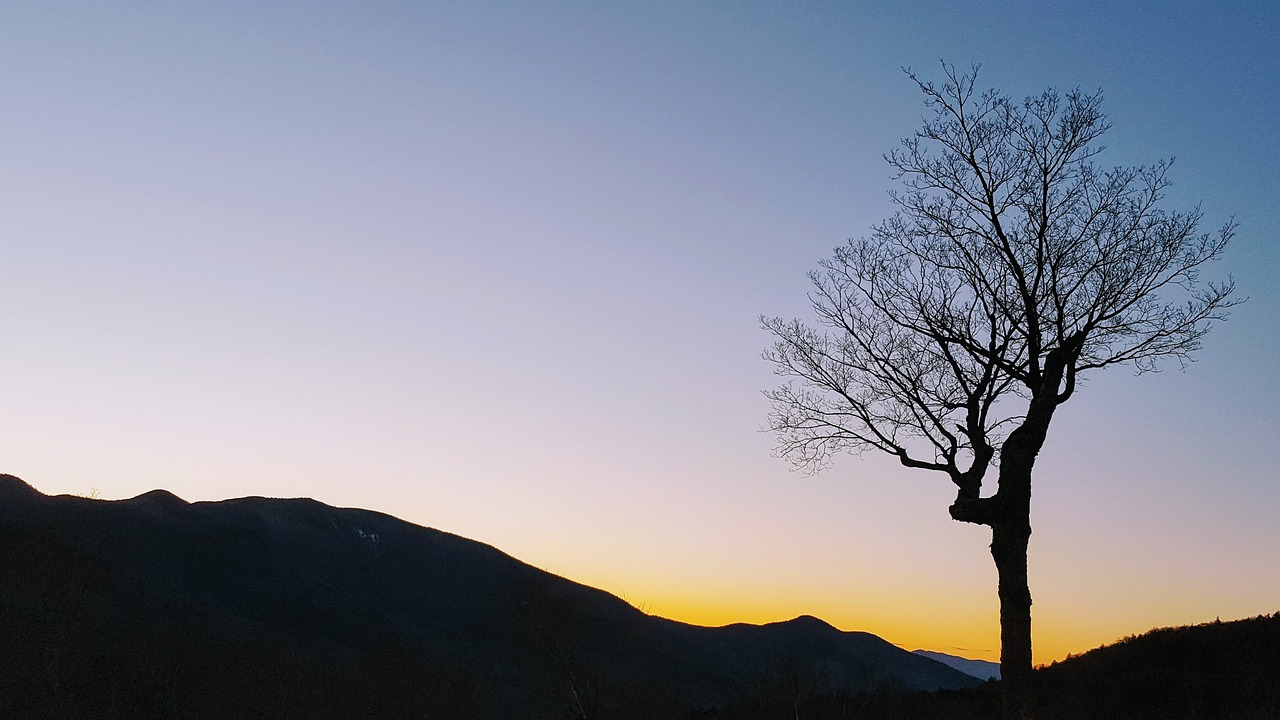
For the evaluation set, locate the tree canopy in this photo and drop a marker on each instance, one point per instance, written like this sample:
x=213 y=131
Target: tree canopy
x=1013 y=265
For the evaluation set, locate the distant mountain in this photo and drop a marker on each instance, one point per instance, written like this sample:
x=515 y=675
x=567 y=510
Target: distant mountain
x=256 y=607
x=980 y=669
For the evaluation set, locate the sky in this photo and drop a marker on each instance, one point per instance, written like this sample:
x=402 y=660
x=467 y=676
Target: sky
x=496 y=268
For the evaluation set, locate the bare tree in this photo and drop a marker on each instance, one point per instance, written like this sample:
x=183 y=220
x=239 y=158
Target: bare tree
x=949 y=337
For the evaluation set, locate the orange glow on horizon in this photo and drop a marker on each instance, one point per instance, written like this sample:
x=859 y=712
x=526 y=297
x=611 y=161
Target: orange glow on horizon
x=1053 y=641
x=906 y=622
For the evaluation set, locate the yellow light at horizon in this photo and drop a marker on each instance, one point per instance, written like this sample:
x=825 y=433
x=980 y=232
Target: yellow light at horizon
x=910 y=622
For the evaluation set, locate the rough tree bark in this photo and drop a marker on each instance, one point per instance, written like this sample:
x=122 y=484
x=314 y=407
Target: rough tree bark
x=1009 y=549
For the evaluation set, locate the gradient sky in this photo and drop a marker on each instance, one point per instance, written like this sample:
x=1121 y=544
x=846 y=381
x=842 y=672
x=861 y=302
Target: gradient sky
x=495 y=268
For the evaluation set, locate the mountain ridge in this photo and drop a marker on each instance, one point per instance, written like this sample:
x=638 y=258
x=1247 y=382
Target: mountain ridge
x=329 y=589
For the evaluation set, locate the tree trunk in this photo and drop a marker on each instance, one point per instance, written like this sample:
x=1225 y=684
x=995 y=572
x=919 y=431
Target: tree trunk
x=1010 y=535
x=1009 y=549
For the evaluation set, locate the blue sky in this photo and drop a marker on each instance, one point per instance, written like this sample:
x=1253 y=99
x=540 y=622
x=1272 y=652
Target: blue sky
x=496 y=267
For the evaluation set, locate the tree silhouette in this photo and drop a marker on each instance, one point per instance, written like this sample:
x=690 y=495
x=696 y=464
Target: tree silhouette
x=949 y=337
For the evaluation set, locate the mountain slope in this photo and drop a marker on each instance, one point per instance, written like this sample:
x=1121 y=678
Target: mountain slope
x=155 y=606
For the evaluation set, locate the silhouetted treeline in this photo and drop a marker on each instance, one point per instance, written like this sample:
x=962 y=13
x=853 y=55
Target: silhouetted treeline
x=1215 y=670
x=153 y=608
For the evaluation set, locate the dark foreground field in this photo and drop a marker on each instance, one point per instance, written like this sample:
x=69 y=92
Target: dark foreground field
x=257 y=608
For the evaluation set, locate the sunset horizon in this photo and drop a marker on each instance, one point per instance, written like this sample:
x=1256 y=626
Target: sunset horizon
x=973 y=641
x=501 y=270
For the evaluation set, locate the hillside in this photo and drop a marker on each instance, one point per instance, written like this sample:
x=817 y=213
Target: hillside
x=1215 y=671
x=155 y=607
